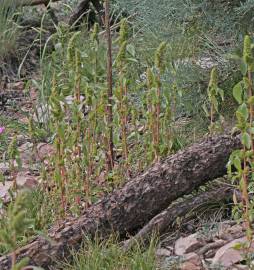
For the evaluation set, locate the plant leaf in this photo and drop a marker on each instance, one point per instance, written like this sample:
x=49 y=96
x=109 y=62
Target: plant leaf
x=238 y=92
x=246 y=140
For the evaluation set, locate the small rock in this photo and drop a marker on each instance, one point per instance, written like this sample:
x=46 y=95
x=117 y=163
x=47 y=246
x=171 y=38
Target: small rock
x=25 y=147
x=191 y=262
x=232 y=232
x=222 y=228
x=163 y=252
x=190 y=266
x=26 y=153
x=25 y=180
x=190 y=228
x=45 y=150
x=21 y=139
x=4 y=168
x=4 y=191
x=188 y=244
x=228 y=255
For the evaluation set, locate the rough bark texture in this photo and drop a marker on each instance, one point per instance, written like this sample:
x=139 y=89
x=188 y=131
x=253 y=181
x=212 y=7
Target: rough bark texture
x=129 y=208
x=164 y=221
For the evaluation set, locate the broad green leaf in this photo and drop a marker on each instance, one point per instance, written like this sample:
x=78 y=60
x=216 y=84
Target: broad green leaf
x=238 y=92
x=246 y=140
x=240 y=119
x=243 y=68
x=237 y=163
x=243 y=109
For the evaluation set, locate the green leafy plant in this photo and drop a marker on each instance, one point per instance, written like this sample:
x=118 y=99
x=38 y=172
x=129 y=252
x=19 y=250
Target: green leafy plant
x=154 y=99
x=60 y=126
x=16 y=224
x=122 y=86
x=214 y=93
x=81 y=169
x=242 y=160
x=14 y=159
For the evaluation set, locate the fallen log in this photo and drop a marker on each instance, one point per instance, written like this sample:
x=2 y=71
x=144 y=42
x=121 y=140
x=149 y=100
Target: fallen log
x=129 y=208
x=166 y=219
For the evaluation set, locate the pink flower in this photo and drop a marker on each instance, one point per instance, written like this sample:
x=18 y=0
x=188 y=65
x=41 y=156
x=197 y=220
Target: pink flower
x=2 y=129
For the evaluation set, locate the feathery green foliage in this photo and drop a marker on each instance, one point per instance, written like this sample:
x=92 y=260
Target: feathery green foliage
x=215 y=96
x=14 y=227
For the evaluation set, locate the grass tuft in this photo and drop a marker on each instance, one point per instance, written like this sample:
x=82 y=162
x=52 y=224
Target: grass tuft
x=8 y=28
x=108 y=255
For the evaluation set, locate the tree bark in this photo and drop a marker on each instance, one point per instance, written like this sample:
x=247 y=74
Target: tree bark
x=129 y=208
x=165 y=220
